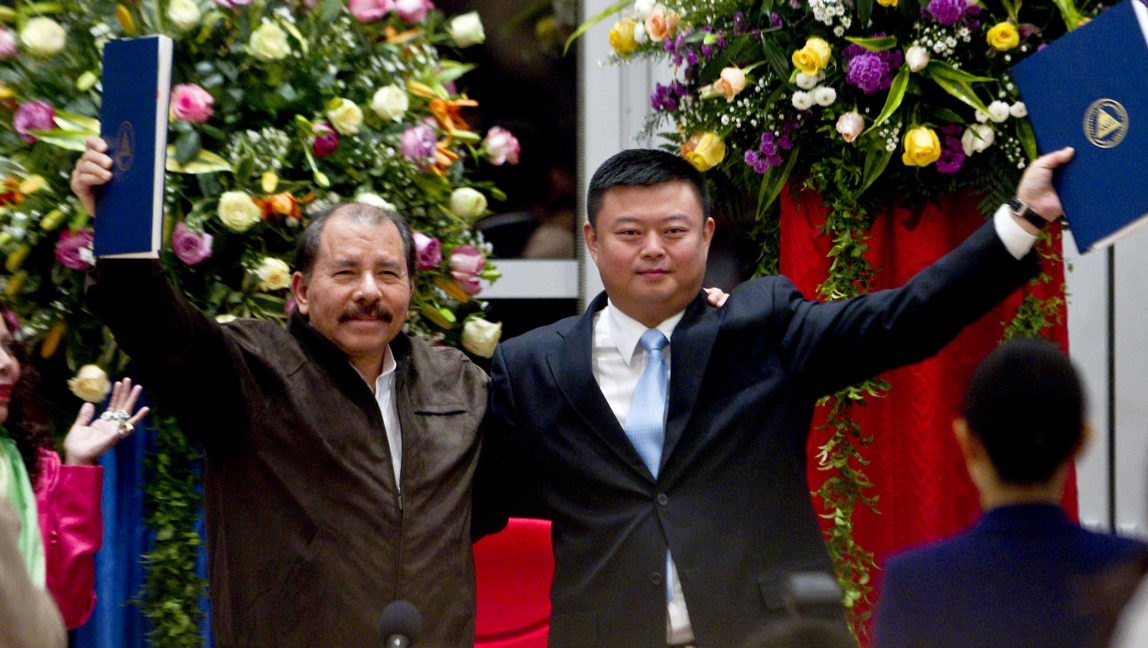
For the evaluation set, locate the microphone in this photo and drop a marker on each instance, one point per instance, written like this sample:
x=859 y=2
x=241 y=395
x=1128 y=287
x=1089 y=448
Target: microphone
x=401 y=624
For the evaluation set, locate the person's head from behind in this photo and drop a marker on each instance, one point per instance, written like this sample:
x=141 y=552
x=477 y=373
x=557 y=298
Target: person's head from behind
x=649 y=232
x=354 y=274
x=1023 y=421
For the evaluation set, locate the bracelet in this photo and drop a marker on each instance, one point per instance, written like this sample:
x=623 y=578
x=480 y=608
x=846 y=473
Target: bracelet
x=1020 y=208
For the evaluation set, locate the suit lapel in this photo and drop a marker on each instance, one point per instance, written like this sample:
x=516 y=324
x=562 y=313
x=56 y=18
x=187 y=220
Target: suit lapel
x=570 y=364
x=690 y=347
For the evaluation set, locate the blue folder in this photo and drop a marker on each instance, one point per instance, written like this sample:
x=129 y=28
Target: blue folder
x=133 y=121
x=1089 y=90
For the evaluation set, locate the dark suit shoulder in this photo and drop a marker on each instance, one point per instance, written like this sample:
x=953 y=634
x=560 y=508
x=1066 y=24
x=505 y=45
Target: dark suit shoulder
x=541 y=338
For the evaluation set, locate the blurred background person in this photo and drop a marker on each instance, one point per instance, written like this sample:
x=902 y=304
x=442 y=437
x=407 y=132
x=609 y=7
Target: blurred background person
x=57 y=503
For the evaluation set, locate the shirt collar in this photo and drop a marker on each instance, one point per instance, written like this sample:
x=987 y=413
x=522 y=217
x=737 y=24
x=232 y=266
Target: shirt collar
x=626 y=332
x=388 y=372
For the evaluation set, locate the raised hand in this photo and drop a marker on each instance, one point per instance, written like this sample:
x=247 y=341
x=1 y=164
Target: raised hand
x=92 y=169
x=88 y=440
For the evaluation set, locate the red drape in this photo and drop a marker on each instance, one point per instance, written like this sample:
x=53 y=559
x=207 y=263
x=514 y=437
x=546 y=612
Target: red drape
x=919 y=477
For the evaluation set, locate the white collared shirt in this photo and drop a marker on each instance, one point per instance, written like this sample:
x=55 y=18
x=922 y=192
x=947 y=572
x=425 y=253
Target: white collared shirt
x=385 y=397
x=618 y=362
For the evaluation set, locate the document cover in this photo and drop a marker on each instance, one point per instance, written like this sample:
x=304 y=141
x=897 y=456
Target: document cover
x=1089 y=90
x=133 y=121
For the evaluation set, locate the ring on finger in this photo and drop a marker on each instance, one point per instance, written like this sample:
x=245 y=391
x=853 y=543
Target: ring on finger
x=126 y=429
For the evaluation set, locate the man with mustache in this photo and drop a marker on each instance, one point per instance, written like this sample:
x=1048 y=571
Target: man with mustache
x=339 y=451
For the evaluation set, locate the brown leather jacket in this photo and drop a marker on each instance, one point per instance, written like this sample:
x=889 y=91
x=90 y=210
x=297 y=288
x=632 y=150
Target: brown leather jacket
x=308 y=537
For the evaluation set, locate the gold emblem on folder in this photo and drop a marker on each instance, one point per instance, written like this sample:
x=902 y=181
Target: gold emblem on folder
x=124 y=148
x=1105 y=123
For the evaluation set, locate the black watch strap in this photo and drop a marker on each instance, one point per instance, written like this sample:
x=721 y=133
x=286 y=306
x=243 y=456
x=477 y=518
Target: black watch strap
x=1020 y=208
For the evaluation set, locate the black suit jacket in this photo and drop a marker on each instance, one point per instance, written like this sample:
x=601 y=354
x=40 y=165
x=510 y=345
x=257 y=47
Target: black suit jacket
x=731 y=499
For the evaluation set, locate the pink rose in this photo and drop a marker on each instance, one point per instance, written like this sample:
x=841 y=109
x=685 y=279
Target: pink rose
x=191 y=103
x=74 y=249
x=326 y=140
x=370 y=10
x=850 y=125
x=501 y=146
x=466 y=262
x=231 y=4
x=33 y=115
x=428 y=250
x=7 y=43
x=413 y=11
x=191 y=247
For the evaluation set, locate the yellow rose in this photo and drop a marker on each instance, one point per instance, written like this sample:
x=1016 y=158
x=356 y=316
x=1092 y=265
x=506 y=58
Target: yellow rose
x=1003 y=36
x=922 y=147
x=346 y=117
x=268 y=43
x=273 y=274
x=622 y=37
x=237 y=211
x=704 y=150
x=887 y=3
x=90 y=383
x=812 y=58
x=480 y=336
x=43 y=36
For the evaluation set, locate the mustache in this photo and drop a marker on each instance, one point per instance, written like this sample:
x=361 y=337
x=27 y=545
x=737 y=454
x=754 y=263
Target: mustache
x=377 y=311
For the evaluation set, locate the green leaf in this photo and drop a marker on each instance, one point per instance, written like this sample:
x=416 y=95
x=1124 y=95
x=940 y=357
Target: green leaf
x=961 y=91
x=329 y=10
x=864 y=11
x=875 y=163
x=944 y=70
x=1068 y=12
x=614 y=8
x=774 y=181
x=187 y=147
x=66 y=139
x=71 y=121
x=878 y=44
x=205 y=162
x=896 y=96
x=944 y=114
x=776 y=57
x=452 y=70
x=1027 y=138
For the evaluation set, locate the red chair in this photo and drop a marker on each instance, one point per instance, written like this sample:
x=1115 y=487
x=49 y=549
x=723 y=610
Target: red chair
x=513 y=569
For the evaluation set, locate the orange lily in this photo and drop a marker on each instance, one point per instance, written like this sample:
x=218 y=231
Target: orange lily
x=447 y=112
x=395 y=36
x=283 y=204
x=443 y=157
x=10 y=193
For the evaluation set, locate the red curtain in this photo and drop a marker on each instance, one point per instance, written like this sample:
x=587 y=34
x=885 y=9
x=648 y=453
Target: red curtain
x=923 y=492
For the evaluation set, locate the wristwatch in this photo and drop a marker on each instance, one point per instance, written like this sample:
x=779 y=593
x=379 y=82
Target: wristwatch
x=1020 y=208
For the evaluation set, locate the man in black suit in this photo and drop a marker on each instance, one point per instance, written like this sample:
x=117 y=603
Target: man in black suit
x=678 y=497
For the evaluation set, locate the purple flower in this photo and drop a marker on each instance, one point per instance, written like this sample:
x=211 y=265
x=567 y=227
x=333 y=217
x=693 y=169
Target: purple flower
x=191 y=247
x=33 y=115
x=326 y=140
x=947 y=12
x=74 y=249
x=231 y=4
x=952 y=153
x=775 y=20
x=866 y=71
x=428 y=250
x=418 y=144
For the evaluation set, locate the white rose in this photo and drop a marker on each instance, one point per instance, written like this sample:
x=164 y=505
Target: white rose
x=1018 y=110
x=644 y=8
x=807 y=82
x=480 y=336
x=467 y=203
x=374 y=200
x=43 y=36
x=998 y=111
x=237 y=211
x=274 y=274
x=824 y=96
x=917 y=57
x=184 y=13
x=225 y=318
x=977 y=138
x=90 y=383
x=640 y=35
x=802 y=100
x=390 y=102
x=346 y=117
x=466 y=29
x=268 y=43
x=982 y=117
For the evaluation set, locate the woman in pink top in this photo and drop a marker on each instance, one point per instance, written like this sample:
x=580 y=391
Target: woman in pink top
x=63 y=497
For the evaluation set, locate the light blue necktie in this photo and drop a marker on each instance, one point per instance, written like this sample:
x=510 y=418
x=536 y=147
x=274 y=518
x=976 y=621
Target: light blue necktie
x=646 y=421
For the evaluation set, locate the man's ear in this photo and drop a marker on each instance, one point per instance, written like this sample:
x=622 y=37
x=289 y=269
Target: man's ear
x=591 y=238
x=299 y=290
x=1086 y=436
x=971 y=446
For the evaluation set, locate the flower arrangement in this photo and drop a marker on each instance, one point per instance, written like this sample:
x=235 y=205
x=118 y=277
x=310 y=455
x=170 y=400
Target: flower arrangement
x=865 y=102
x=279 y=108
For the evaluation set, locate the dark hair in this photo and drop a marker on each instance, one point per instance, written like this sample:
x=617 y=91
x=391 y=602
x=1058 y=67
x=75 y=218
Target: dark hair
x=643 y=168
x=27 y=422
x=307 y=249
x=1026 y=403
